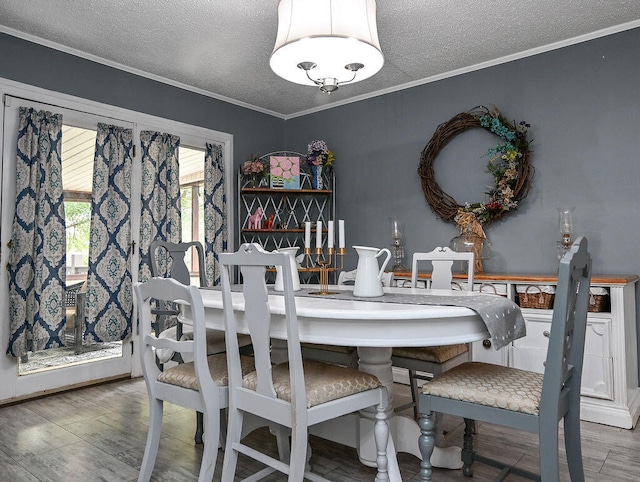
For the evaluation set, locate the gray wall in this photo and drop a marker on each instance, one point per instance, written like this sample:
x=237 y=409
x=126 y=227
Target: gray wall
x=583 y=105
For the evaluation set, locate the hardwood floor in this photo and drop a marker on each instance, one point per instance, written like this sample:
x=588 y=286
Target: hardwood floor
x=98 y=434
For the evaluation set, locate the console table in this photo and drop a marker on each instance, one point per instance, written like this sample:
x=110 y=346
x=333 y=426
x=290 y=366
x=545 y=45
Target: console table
x=610 y=392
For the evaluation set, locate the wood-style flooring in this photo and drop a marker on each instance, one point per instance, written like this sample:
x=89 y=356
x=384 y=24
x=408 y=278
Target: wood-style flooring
x=98 y=434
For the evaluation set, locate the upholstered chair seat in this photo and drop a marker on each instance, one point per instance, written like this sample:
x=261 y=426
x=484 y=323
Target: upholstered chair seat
x=434 y=354
x=184 y=374
x=490 y=385
x=322 y=382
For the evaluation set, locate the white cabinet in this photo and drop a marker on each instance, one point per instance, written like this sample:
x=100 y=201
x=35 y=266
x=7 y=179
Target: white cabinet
x=610 y=392
x=529 y=353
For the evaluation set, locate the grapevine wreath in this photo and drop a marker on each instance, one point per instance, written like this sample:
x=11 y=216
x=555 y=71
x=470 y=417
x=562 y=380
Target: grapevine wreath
x=508 y=163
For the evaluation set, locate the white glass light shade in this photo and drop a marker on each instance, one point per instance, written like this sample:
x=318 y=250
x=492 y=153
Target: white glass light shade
x=330 y=34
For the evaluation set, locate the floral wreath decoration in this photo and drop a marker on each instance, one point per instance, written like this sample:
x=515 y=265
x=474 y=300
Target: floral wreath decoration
x=508 y=163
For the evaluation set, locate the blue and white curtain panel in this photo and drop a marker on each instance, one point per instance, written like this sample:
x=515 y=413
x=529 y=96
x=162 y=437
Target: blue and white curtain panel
x=109 y=299
x=215 y=208
x=160 y=217
x=38 y=239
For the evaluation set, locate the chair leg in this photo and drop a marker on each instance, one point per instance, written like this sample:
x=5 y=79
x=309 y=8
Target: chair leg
x=234 y=434
x=381 y=435
x=210 y=452
x=282 y=441
x=467 y=448
x=426 y=443
x=573 y=445
x=199 y=427
x=413 y=384
x=549 y=466
x=153 y=440
x=223 y=427
x=298 y=458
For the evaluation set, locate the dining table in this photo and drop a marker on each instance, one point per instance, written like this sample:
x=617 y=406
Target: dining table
x=402 y=317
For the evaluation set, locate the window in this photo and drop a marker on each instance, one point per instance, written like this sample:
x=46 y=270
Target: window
x=191 y=161
x=78 y=146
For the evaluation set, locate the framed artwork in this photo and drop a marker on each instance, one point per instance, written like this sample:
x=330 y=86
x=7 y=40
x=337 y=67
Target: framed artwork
x=284 y=172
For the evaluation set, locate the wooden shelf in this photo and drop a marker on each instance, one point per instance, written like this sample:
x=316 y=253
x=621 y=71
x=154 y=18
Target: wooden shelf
x=266 y=190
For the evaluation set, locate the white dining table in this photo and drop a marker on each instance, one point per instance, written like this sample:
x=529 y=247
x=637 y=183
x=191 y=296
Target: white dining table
x=375 y=328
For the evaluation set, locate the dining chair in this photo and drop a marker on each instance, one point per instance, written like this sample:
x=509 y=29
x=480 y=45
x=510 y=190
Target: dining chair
x=167 y=259
x=433 y=360
x=521 y=399
x=200 y=385
x=293 y=395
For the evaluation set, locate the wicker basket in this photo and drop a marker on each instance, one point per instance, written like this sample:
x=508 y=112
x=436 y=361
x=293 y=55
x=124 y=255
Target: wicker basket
x=537 y=297
x=491 y=289
x=598 y=300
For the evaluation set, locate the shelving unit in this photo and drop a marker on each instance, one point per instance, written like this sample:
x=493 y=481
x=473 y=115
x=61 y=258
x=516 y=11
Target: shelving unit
x=290 y=208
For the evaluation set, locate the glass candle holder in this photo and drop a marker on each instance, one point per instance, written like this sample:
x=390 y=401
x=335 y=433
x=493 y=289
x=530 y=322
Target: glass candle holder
x=565 y=227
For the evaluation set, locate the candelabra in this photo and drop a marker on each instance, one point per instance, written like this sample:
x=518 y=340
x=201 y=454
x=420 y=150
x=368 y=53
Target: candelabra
x=397 y=247
x=323 y=264
x=565 y=225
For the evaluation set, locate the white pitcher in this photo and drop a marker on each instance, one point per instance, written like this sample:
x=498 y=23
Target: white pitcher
x=279 y=284
x=368 y=275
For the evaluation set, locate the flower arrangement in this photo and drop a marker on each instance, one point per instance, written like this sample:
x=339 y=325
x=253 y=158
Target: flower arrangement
x=318 y=154
x=504 y=163
x=253 y=166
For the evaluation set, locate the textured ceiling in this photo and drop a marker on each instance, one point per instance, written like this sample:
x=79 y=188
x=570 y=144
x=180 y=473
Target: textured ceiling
x=221 y=47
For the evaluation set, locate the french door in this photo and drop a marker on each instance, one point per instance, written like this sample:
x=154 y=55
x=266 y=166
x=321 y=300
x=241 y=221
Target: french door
x=79 y=129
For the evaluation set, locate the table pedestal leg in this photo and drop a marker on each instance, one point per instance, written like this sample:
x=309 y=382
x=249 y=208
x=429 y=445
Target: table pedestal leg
x=403 y=429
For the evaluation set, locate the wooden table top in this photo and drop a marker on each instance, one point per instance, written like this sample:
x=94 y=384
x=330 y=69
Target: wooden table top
x=596 y=279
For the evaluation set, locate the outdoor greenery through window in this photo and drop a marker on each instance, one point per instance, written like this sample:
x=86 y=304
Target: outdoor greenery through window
x=191 y=162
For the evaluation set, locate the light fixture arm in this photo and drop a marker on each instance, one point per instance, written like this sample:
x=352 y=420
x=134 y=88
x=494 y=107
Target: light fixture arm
x=329 y=84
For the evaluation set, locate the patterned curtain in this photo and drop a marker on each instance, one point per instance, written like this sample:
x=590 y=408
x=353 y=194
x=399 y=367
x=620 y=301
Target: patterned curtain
x=37 y=260
x=215 y=208
x=109 y=301
x=160 y=217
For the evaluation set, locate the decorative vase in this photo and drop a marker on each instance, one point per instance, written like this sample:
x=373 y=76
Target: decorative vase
x=316 y=177
x=469 y=241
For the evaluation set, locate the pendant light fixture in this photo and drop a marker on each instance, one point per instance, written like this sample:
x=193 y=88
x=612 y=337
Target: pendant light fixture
x=326 y=42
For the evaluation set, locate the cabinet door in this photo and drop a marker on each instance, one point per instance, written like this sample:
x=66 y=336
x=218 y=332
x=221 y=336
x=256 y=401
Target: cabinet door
x=483 y=351
x=530 y=352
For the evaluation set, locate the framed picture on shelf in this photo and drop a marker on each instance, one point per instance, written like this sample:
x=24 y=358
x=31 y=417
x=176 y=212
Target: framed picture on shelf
x=284 y=172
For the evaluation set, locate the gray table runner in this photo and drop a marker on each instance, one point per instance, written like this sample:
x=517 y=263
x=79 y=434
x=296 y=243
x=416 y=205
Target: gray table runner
x=502 y=316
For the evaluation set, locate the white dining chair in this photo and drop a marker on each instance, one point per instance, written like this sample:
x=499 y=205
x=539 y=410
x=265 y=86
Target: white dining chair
x=200 y=385
x=521 y=399
x=433 y=360
x=293 y=395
